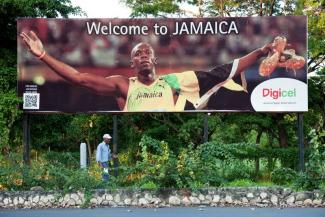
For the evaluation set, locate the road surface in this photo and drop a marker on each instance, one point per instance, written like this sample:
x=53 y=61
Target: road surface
x=168 y=212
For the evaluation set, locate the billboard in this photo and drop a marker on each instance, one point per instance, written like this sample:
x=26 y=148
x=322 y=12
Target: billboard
x=255 y=64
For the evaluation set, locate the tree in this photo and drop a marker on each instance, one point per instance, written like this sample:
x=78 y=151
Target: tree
x=10 y=10
x=223 y=8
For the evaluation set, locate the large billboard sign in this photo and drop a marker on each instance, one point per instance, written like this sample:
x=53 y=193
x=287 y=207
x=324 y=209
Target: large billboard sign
x=255 y=64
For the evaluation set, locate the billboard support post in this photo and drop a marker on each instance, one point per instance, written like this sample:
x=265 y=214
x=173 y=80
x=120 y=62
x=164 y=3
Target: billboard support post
x=206 y=128
x=26 y=139
x=301 y=142
x=115 y=140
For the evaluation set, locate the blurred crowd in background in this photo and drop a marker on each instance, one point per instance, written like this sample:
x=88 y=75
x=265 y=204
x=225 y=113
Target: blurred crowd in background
x=69 y=41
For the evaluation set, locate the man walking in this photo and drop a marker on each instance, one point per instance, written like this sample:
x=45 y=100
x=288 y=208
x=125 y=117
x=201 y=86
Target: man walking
x=103 y=156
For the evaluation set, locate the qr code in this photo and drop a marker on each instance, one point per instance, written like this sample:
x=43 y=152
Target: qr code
x=31 y=101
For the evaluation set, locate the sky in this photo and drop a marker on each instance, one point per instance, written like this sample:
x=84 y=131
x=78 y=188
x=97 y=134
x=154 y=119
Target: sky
x=102 y=8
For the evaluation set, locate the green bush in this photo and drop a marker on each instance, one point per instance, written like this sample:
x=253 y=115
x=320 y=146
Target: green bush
x=240 y=183
x=314 y=174
x=68 y=159
x=149 y=185
x=306 y=182
x=283 y=176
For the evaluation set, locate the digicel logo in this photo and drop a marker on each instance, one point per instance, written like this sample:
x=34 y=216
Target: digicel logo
x=276 y=94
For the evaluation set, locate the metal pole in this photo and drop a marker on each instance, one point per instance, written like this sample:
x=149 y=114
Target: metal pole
x=83 y=155
x=115 y=150
x=26 y=139
x=301 y=142
x=206 y=128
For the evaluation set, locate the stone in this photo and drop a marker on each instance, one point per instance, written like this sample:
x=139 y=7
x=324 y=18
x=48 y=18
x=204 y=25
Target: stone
x=127 y=201
x=290 y=199
x=81 y=194
x=253 y=201
x=15 y=200
x=21 y=200
x=37 y=188
x=71 y=202
x=208 y=198
x=35 y=199
x=274 y=199
x=201 y=197
x=134 y=202
x=93 y=201
x=174 y=200
x=148 y=197
x=66 y=197
x=216 y=199
x=75 y=197
x=287 y=191
x=228 y=199
x=301 y=196
x=186 y=201
x=194 y=194
x=78 y=202
x=317 y=202
x=112 y=203
x=99 y=200
x=250 y=195
x=109 y=197
x=142 y=202
x=195 y=200
x=298 y=203
x=244 y=200
x=156 y=200
x=117 y=198
x=105 y=202
x=44 y=199
x=263 y=195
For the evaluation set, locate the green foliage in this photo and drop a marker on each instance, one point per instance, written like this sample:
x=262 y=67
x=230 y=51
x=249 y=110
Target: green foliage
x=80 y=180
x=152 y=7
x=69 y=159
x=149 y=185
x=8 y=115
x=189 y=169
x=237 y=169
x=210 y=8
x=245 y=151
x=157 y=164
x=315 y=167
x=283 y=176
x=240 y=183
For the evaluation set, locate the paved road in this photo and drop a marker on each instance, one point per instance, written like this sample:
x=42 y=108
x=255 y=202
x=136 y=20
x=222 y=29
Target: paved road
x=168 y=212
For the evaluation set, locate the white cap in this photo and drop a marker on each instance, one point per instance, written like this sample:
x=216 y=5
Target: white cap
x=107 y=136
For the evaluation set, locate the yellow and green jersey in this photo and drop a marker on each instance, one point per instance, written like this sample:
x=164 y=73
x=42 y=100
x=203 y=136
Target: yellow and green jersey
x=159 y=96
x=189 y=86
